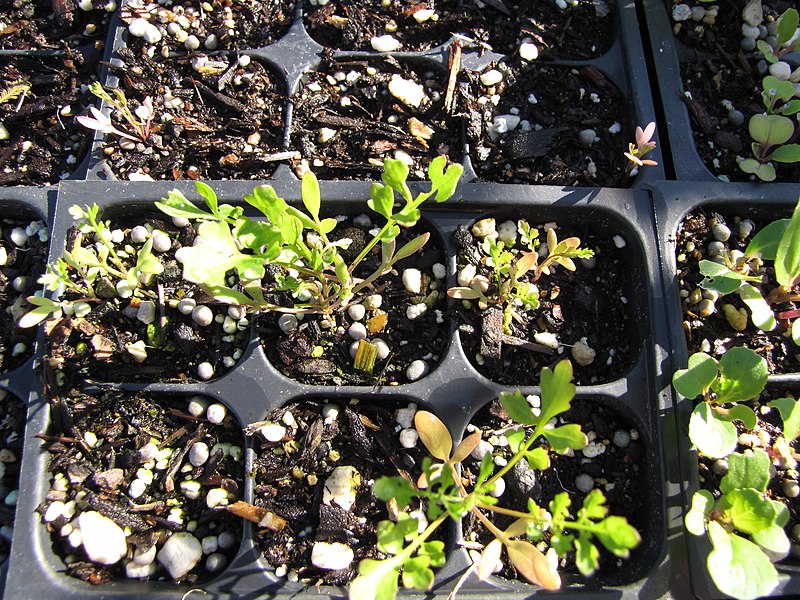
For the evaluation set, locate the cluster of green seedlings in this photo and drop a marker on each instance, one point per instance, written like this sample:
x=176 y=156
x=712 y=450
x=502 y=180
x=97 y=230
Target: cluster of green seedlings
x=312 y=267
x=743 y=273
x=772 y=130
x=537 y=537
x=743 y=523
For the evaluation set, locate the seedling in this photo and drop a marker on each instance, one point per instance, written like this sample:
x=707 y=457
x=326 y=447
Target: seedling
x=770 y=134
x=786 y=37
x=644 y=145
x=88 y=269
x=445 y=495
x=515 y=272
x=778 y=243
x=138 y=120
x=311 y=265
x=14 y=90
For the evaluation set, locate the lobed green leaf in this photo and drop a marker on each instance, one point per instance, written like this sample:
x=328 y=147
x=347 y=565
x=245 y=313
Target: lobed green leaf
x=712 y=435
x=738 y=567
x=746 y=471
x=695 y=380
x=743 y=375
x=702 y=504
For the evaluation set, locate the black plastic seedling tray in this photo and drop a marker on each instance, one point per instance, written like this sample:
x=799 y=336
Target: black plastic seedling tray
x=296 y=53
x=673 y=201
x=453 y=390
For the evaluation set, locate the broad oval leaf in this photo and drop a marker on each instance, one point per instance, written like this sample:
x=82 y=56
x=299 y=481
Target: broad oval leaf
x=790 y=413
x=177 y=205
x=774 y=541
x=465 y=448
x=748 y=510
x=765 y=243
x=746 y=471
x=37 y=315
x=702 y=503
x=490 y=559
x=719 y=277
x=787 y=257
x=434 y=435
x=713 y=436
x=697 y=378
x=738 y=567
x=381 y=200
x=787 y=25
x=533 y=565
x=310 y=194
x=743 y=375
x=743 y=413
x=617 y=535
x=788 y=153
x=760 y=311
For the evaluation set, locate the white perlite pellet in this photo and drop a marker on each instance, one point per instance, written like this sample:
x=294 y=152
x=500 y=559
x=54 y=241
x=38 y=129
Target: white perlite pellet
x=408 y=438
x=198 y=454
x=409 y=92
x=180 y=554
x=103 y=540
x=416 y=370
x=584 y=483
x=491 y=77
x=205 y=371
x=216 y=413
x=331 y=556
x=412 y=281
x=385 y=43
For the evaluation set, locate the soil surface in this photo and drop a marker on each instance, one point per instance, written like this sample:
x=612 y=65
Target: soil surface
x=712 y=333
x=12 y=429
x=423 y=338
x=545 y=126
x=722 y=71
x=214 y=118
x=98 y=477
x=52 y=24
x=618 y=471
x=19 y=275
x=291 y=474
x=578 y=32
x=346 y=119
x=594 y=303
x=228 y=25
x=44 y=143
x=96 y=347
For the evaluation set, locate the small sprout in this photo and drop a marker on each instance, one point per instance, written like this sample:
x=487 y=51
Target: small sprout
x=138 y=120
x=14 y=90
x=644 y=144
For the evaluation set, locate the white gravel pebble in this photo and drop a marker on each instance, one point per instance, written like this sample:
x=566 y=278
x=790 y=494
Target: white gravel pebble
x=205 y=371
x=484 y=227
x=191 y=489
x=621 y=438
x=161 y=242
x=491 y=77
x=180 y=554
x=216 y=497
x=405 y=416
x=202 y=315
x=18 y=236
x=619 y=241
x=197 y=406
x=331 y=556
x=357 y=331
x=409 y=92
x=356 y=311
x=373 y=302
x=137 y=488
x=341 y=487
x=103 y=540
x=186 y=306
x=385 y=43
x=198 y=454
x=134 y=570
x=383 y=348
x=412 y=281
x=146 y=312
x=139 y=234
x=584 y=483
x=226 y=540
x=416 y=370
x=216 y=413
x=216 y=562
x=273 y=432
x=210 y=544
x=439 y=270
x=587 y=137
x=780 y=70
x=145 y=558
x=191 y=43
x=467 y=274
x=499 y=488
x=408 y=438
x=329 y=413
x=415 y=311
x=582 y=353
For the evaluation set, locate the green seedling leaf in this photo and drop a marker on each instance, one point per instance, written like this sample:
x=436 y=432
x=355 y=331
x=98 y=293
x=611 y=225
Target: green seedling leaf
x=702 y=503
x=748 y=509
x=310 y=194
x=407 y=216
x=398 y=488
x=377 y=580
x=713 y=436
x=790 y=413
x=435 y=550
x=37 y=315
x=760 y=311
x=738 y=567
x=227 y=295
x=697 y=378
x=594 y=505
x=208 y=262
x=788 y=153
x=538 y=459
x=787 y=256
x=366 y=354
x=518 y=408
x=743 y=413
x=617 y=535
x=209 y=195
x=392 y=536
x=766 y=50
x=770 y=130
x=533 y=565
x=743 y=375
x=395 y=175
x=177 y=205
x=411 y=247
x=765 y=243
x=787 y=25
x=557 y=391
x=417 y=573
x=444 y=182
x=381 y=200
x=566 y=437
x=434 y=435
x=719 y=277
x=746 y=471
x=258 y=235
x=327 y=225
x=587 y=556
x=465 y=448
x=774 y=540
x=776 y=90
x=146 y=262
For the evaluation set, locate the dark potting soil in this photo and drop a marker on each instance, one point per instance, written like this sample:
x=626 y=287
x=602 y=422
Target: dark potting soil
x=594 y=303
x=615 y=459
x=346 y=119
x=721 y=71
x=548 y=107
x=213 y=118
x=98 y=476
x=577 y=32
x=44 y=142
x=19 y=275
x=713 y=333
x=290 y=477
x=52 y=24
x=318 y=354
x=12 y=429
x=95 y=347
x=236 y=25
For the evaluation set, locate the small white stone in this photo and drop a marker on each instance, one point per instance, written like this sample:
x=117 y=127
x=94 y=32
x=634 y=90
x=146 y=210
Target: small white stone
x=681 y=12
x=405 y=416
x=54 y=511
x=273 y=432
x=198 y=454
x=467 y=274
x=287 y=323
x=439 y=270
x=507 y=233
x=499 y=488
x=416 y=370
x=483 y=228
x=491 y=77
x=373 y=302
x=19 y=237
x=210 y=544
x=621 y=438
x=146 y=312
x=216 y=562
x=385 y=43
x=546 y=338
x=138 y=27
x=191 y=489
x=423 y=15
x=414 y=311
x=356 y=311
x=341 y=487
x=584 y=483
x=191 y=43
x=202 y=315
x=216 y=413
x=587 y=137
x=186 y=306
x=329 y=413
x=180 y=554
x=528 y=51
x=331 y=556
x=482 y=449
x=197 y=406
x=781 y=70
x=103 y=540
x=226 y=540
x=161 y=242
x=592 y=449
x=216 y=497
x=211 y=42
x=137 y=488
x=408 y=91
x=205 y=371
x=145 y=558
x=582 y=353
x=134 y=570
x=408 y=438
x=721 y=232
x=619 y=241
x=152 y=35
x=357 y=331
